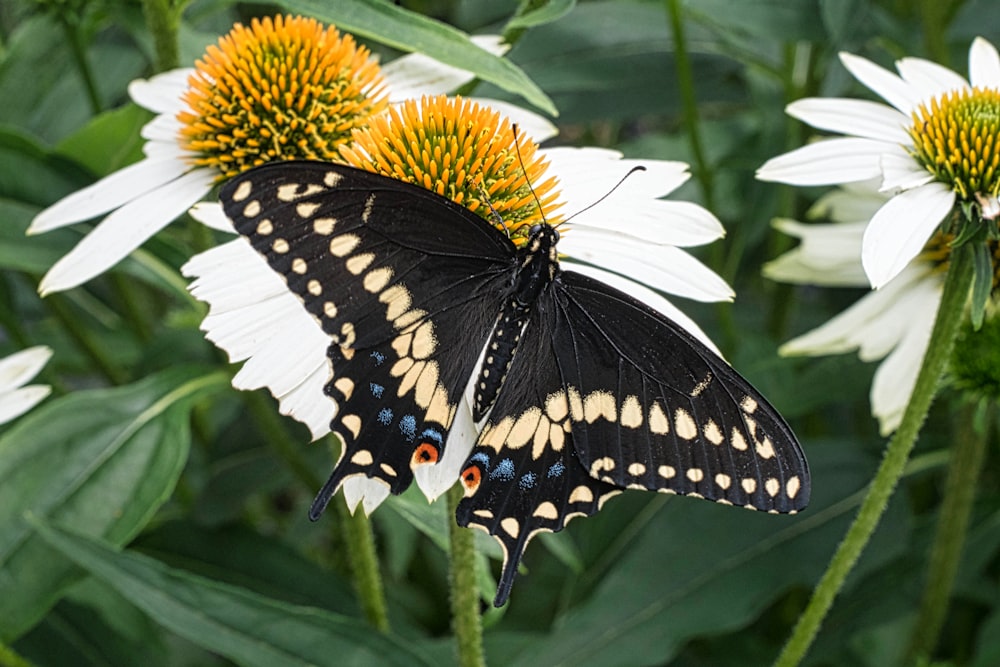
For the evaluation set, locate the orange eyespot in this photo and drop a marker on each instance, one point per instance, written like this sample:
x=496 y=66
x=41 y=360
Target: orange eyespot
x=425 y=453
x=471 y=477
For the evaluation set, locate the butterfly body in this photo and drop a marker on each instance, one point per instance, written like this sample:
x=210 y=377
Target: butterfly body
x=582 y=391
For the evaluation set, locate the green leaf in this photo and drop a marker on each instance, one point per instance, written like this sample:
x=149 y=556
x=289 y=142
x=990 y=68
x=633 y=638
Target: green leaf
x=247 y=628
x=109 y=141
x=408 y=31
x=102 y=461
x=982 y=282
x=550 y=11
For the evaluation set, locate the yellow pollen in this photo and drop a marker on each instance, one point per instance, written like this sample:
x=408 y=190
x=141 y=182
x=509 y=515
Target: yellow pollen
x=937 y=254
x=956 y=139
x=282 y=89
x=464 y=152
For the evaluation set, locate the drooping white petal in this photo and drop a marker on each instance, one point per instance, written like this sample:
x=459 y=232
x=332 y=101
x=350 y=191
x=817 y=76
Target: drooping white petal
x=648 y=297
x=210 y=214
x=161 y=93
x=254 y=317
x=112 y=191
x=416 y=74
x=851 y=202
x=829 y=255
x=533 y=125
x=897 y=374
x=369 y=491
x=984 y=64
x=826 y=162
x=18 y=368
x=901 y=229
x=163 y=128
x=587 y=174
x=124 y=230
x=858 y=118
x=435 y=479
x=928 y=79
x=655 y=221
x=886 y=84
x=16 y=402
x=664 y=268
x=901 y=172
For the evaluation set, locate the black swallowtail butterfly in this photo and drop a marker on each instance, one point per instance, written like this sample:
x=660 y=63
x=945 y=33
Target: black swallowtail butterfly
x=585 y=391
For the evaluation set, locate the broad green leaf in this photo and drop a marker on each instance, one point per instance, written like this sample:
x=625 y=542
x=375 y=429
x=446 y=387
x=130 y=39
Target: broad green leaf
x=408 y=31
x=700 y=569
x=245 y=627
x=109 y=141
x=102 y=461
x=550 y=11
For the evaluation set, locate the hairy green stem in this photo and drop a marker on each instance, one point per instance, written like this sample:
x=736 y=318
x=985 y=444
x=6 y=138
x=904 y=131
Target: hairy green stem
x=163 y=19
x=967 y=453
x=958 y=282
x=363 y=560
x=466 y=621
x=8 y=658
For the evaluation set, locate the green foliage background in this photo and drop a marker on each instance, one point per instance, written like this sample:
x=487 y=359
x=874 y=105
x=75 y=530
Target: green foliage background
x=146 y=447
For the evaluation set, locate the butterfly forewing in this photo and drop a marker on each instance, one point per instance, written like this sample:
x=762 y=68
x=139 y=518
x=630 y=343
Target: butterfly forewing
x=406 y=284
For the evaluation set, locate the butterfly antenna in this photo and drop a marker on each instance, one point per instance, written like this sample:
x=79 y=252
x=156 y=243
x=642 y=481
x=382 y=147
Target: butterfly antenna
x=520 y=160
x=605 y=195
x=497 y=218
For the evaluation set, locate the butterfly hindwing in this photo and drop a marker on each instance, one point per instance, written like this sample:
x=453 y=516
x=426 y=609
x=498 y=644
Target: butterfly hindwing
x=406 y=284
x=653 y=408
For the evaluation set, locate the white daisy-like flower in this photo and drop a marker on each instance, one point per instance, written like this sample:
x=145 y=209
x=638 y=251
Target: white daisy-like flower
x=280 y=89
x=637 y=235
x=892 y=324
x=934 y=147
x=15 y=370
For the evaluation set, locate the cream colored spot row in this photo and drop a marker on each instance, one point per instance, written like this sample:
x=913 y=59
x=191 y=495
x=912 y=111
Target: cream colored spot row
x=631 y=413
x=362 y=457
x=357 y=264
x=314 y=287
x=347 y=334
x=299 y=266
x=546 y=510
x=737 y=440
x=581 y=494
x=511 y=525
x=749 y=485
x=376 y=279
x=772 y=486
x=636 y=469
x=792 y=486
x=352 y=423
x=388 y=469
x=345 y=386
x=265 y=227
x=556 y=406
x=695 y=474
x=397 y=299
x=330 y=309
x=242 y=191
x=667 y=472
x=658 y=422
x=748 y=404
x=723 y=480
x=712 y=433
x=290 y=192
x=604 y=463
x=684 y=424
x=324 y=226
x=332 y=179
x=280 y=246
x=765 y=449
x=252 y=209
x=306 y=209
x=600 y=404
x=701 y=386
x=342 y=245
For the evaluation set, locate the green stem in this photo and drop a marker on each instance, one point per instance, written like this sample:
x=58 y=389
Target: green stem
x=466 y=621
x=288 y=449
x=956 y=293
x=363 y=560
x=71 y=24
x=967 y=453
x=689 y=105
x=163 y=21
x=9 y=658
x=130 y=299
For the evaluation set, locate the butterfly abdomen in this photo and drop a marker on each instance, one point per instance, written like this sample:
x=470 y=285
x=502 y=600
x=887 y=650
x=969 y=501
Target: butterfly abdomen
x=538 y=267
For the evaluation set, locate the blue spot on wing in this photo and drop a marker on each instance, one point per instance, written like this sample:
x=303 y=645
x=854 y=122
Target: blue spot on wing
x=408 y=426
x=556 y=469
x=481 y=457
x=432 y=434
x=378 y=357
x=384 y=416
x=377 y=389
x=527 y=480
x=503 y=471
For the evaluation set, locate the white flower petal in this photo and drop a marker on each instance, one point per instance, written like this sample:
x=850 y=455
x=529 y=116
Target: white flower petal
x=587 y=174
x=858 y=118
x=163 y=128
x=897 y=375
x=435 y=479
x=901 y=228
x=112 y=191
x=209 y=213
x=826 y=162
x=416 y=74
x=886 y=84
x=664 y=268
x=648 y=297
x=984 y=64
x=537 y=127
x=851 y=202
x=18 y=368
x=654 y=221
x=162 y=93
x=125 y=230
x=928 y=78
x=18 y=401
x=902 y=172
x=829 y=255
x=369 y=491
